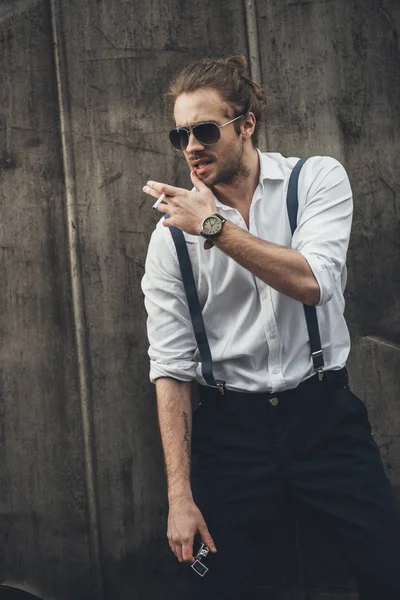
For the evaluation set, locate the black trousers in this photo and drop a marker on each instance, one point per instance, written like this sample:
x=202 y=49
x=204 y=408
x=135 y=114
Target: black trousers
x=313 y=443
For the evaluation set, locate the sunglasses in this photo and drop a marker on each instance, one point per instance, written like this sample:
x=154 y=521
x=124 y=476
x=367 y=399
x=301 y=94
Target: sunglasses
x=206 y=133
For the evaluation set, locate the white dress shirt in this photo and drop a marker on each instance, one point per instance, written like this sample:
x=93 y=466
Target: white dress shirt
x=258 y=336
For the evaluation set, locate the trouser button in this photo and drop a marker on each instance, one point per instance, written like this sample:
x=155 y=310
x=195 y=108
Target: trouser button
x=274 y=401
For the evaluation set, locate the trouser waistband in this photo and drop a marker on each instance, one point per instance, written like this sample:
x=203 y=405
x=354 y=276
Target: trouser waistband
x=337 y=378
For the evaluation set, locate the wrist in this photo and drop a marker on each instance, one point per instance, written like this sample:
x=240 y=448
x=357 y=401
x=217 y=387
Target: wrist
x=180 y=489
x=221 y=239
x=212 y=226
x=177 y=497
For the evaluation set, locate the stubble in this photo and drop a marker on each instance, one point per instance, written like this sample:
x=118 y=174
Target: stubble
x=231 y=168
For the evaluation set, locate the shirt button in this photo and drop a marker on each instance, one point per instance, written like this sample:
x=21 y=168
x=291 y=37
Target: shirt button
x=265 y=295
x=272 y=336
x=275 y=371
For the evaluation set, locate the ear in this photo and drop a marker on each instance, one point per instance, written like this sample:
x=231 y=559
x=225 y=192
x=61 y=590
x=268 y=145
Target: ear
x=248 y=125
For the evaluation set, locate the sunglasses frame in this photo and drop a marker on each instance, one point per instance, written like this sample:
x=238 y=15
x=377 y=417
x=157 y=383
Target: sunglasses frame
x=191 y=129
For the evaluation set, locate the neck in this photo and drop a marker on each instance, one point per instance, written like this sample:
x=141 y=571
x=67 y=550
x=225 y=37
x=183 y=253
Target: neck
x=239 y=193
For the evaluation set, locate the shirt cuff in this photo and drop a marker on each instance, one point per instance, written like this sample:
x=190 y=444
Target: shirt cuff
x=323 y=273
x=182 y=370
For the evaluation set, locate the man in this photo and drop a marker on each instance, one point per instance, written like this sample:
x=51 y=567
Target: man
x=278 y=427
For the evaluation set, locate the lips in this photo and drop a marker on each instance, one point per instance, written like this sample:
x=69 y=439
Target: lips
x=201 y=169
x=201 y=165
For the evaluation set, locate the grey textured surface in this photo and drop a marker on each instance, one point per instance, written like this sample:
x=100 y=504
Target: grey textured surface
x=332 y=71
x=43 y=527
x=332 y=68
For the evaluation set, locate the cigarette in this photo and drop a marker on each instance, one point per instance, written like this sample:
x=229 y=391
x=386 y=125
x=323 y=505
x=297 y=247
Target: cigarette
x=158 y=202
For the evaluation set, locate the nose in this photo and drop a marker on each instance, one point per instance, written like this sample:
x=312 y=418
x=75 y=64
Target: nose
x=193 y=144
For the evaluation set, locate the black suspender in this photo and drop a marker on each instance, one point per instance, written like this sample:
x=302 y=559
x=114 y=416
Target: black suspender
x=292 y=201
x=194 y=304
x=194 y=308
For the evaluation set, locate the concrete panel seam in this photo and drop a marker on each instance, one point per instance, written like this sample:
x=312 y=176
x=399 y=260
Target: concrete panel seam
x=77 y=295
x=254 y=53
x=382 y=342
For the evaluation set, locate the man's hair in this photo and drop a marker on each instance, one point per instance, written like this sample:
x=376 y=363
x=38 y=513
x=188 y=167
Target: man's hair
x=226 y=76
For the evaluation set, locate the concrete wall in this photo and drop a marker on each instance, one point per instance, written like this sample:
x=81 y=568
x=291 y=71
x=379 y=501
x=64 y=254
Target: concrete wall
x=83 y=125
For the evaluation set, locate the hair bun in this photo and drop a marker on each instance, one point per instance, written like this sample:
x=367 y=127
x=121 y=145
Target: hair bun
x=239 y=62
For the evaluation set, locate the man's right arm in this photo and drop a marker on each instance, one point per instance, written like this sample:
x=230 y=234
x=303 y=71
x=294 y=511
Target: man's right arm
x=172 y=346
x=175 y=419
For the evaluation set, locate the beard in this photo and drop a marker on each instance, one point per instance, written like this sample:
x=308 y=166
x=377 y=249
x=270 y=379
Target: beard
x=231 y=167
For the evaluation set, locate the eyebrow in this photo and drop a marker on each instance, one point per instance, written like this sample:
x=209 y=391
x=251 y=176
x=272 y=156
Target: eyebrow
x=196 y=123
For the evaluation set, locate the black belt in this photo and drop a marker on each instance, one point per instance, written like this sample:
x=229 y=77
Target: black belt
x=337 y=378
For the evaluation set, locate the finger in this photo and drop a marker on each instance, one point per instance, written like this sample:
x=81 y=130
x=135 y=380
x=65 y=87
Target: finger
x=171 y=545
x=164 y=208
x=148 y=190
x=178 y=552
x=187 y=551
x=198 y=184
x=206 y=537
x=164 y=188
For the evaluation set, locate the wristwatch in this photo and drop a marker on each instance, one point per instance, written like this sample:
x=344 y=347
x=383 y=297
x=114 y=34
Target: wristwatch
x=212 y=226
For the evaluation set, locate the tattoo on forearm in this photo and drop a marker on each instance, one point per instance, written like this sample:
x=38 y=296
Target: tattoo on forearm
x=185 y=417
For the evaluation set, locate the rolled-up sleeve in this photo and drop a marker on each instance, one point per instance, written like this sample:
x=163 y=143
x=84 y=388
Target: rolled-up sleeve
x=169 y=328
x=323 y=230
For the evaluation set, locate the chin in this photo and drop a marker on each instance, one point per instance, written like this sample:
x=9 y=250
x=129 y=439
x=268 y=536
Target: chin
x=208 y=181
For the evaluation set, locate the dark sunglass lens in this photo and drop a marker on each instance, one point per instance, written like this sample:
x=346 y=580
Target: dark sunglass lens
x=179 y=139
x=207 y=133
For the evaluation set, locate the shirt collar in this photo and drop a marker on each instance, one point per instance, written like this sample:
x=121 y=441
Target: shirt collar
x=268 y=168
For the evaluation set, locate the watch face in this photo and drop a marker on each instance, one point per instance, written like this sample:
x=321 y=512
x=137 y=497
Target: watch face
x=212 y=225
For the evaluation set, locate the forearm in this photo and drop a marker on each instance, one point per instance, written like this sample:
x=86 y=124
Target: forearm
x=175 y=420
x=282 y=268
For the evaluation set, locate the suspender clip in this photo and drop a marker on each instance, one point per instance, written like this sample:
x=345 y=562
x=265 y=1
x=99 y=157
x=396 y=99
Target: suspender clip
x=221 y=387
x=320 y=373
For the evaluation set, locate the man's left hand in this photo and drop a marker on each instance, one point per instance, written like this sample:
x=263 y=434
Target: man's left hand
x=187 y=209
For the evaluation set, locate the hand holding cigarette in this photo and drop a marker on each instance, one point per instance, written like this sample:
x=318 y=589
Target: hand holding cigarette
x=187 y=209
